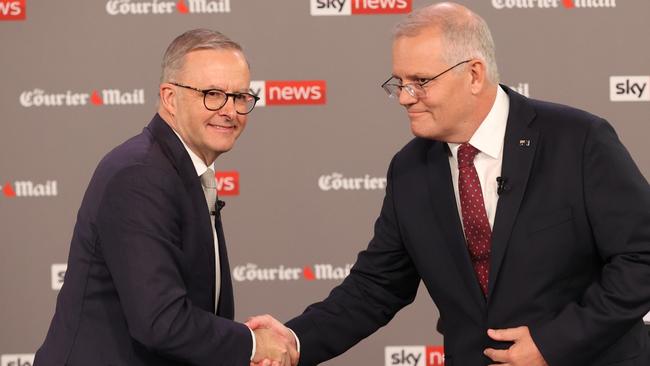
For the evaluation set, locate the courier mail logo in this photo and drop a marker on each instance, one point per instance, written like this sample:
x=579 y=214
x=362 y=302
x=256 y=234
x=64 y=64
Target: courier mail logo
x=28 y=188
x=40 y=98
x=25 y=359
x=227 y=183
x=629 y=88
x=553 y=4
x=12 y=10
x=359 y=7
x=414 y=356
x=337 y=181
x=289 y=92
x=252 y=272
x=156 y=7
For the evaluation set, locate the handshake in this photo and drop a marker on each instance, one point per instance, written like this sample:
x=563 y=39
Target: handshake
x=275 y=343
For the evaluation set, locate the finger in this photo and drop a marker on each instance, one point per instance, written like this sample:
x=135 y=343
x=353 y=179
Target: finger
x=497 y=355
x=260 y=321
x=508 y=334
x=294 y=356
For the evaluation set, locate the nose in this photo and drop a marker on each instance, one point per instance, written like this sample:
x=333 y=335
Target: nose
x=228 y=109
x=405 y=98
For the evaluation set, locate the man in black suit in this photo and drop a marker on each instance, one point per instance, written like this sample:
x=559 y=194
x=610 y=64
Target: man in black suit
x=528 y=222
x=148 y=280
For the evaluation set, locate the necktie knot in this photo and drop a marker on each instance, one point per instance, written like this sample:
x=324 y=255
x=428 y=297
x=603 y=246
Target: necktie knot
x=466 y=155
x=208 y=180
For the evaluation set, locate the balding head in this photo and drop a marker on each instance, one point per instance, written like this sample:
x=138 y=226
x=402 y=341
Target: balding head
x=465 y=34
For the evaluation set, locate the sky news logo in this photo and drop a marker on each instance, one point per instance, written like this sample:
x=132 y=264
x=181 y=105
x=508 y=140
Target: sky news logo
x=28 y=188
x=12 y=10
x=553 y=4
x=252 y=272
x=25 y=359
x=58 y=274
x=629 y=88
x=289 y=92
x=227 y=183
x=414 y=356
x=40 y=98
x=359 y=7
x=155 y=7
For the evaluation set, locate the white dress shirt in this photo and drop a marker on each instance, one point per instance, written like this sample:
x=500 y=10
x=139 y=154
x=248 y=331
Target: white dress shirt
x=488 y=139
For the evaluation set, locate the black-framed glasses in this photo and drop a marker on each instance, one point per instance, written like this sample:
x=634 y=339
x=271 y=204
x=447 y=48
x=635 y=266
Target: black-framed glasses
x=416 y=90
x=215 y=99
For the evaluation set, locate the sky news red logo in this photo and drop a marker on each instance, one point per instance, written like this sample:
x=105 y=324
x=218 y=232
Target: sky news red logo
x=227 y=183
x=289 y=92
x=359 y=7
x=414 y=356
x=12 y=10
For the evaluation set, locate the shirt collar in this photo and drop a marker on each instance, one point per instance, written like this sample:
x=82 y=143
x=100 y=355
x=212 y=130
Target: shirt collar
x=199 y=165
x=489 y=135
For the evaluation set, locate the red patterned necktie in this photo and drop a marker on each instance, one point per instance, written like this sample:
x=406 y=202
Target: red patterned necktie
x=475 y=222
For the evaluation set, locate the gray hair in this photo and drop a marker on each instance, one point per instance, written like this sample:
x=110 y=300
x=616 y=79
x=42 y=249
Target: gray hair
x=465 y=34
x=192 y=40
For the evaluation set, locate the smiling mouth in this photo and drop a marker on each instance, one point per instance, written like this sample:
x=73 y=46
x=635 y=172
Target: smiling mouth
x=223 y=128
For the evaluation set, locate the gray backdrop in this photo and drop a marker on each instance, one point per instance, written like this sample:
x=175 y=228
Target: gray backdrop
x=296 y=210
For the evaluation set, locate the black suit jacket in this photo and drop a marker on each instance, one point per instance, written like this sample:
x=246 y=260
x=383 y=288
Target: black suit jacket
x=139 y=288
x=570 y=249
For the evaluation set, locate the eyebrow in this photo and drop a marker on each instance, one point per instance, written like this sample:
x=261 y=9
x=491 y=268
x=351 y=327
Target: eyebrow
x=411 y=77
x=242 y=90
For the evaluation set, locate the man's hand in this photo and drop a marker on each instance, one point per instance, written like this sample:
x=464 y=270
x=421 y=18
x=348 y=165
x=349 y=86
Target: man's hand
x=276 y=345
x=523 y=352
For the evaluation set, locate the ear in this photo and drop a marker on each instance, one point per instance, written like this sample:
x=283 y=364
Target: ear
x=478 y=75
x=168 y=98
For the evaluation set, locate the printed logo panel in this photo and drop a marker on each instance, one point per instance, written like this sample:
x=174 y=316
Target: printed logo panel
x=12 y=10
x=414 y=356
x=552 y=4
x=58 y=275
x=132 y=7
x=629 y=88
x=25 y=359
x=227 y=183
x=359 y=7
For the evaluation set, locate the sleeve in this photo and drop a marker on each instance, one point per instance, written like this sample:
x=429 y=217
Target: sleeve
x=382 y=281
x=139 y=229
x=617 y=200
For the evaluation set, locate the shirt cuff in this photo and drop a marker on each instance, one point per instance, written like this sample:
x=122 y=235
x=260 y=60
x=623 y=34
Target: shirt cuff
x=297 y=340
x=254 y=344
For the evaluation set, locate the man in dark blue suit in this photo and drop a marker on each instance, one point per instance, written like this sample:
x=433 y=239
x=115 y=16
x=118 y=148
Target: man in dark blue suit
x=148 y=280
x=528 y=222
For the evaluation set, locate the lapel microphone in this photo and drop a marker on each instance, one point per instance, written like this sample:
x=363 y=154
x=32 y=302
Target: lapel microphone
x=502 y=185
x=220 y=204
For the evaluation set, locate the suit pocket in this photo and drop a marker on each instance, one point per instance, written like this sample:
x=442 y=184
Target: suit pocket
x=549 y=220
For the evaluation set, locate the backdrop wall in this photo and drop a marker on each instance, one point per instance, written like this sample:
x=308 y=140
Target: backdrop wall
x=305 y=182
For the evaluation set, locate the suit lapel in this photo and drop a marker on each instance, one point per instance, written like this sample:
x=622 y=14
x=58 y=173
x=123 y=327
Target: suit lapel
x=519 y=147
x=446 y=212
x=175 y=151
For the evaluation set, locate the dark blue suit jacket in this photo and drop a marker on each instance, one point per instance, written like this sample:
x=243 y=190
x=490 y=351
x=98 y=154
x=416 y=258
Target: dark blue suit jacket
x=570 y=249
x=139 y=288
